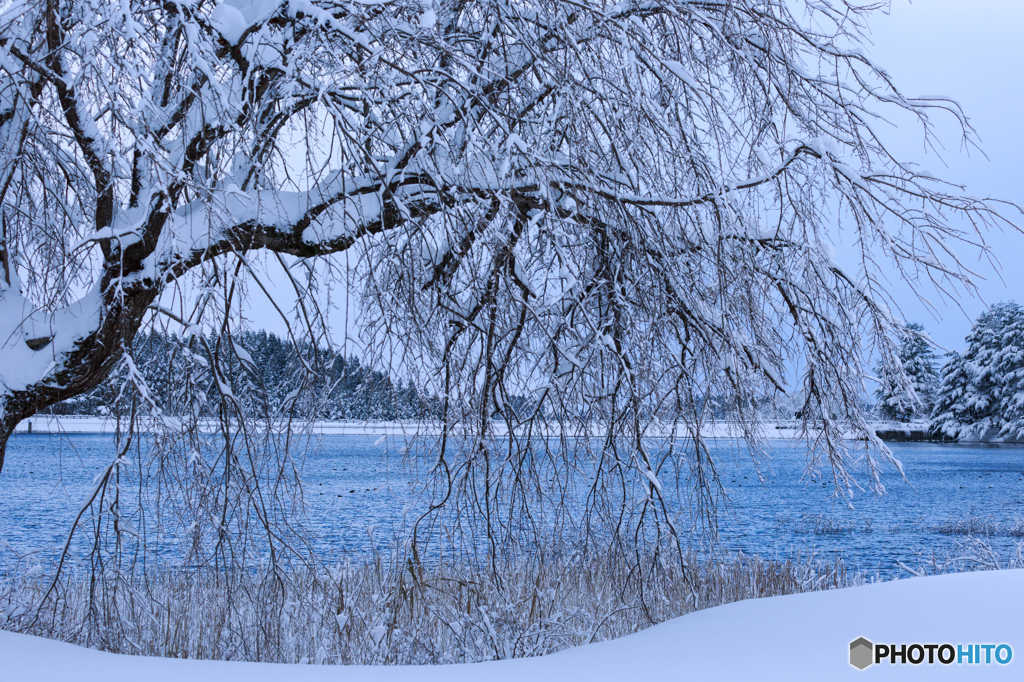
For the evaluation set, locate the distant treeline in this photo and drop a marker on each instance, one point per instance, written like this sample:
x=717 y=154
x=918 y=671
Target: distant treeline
x=264 y=374
x=268 y=376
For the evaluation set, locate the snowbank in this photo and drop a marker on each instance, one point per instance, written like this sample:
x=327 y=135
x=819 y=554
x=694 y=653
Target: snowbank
x=799 y=637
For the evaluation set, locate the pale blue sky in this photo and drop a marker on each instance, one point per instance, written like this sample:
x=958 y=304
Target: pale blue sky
x=972 y=51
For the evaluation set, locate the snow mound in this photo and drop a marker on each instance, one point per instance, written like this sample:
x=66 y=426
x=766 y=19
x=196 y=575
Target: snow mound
x=798 y=637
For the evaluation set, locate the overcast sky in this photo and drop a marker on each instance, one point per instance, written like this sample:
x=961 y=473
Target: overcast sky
x=972 y=51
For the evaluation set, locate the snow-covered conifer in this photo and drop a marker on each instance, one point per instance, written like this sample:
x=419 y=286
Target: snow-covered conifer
x=1008 y=372
x=982 y=393
x=951 y=413
x=911 y=394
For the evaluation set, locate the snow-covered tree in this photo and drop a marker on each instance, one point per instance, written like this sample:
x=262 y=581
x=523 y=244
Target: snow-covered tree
x=1008 y=369
x=617 y=211
x=951 y=412
x=982 y=394
x=910 y=393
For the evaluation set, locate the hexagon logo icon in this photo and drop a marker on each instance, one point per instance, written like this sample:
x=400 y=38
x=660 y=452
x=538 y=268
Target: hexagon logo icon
x=862 y=653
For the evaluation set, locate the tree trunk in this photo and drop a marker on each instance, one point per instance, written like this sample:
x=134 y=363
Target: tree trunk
x=87 y=365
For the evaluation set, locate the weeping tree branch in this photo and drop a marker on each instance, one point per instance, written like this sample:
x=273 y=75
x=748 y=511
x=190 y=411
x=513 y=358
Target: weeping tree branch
x=588 y=223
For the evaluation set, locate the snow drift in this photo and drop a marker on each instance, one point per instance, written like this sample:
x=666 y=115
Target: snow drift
x=797 y=637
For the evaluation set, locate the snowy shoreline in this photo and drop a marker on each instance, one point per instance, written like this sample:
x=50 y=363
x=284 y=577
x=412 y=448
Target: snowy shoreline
x=797 y=637
x=101 y=425
x=780 y=431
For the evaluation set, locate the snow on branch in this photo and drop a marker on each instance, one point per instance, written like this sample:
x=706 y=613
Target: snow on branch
x=566 y=216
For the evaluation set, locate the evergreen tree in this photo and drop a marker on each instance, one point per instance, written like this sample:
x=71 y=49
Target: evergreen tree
x=1008 y=370
x=982 y=394
x=951 y=413
x=407 y=401
x=912 y=394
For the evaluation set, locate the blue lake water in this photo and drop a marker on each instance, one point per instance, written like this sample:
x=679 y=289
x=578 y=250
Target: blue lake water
x=356 y=490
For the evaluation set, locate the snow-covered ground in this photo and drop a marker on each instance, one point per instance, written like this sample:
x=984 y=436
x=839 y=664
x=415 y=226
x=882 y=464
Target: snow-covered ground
x=81 y=424
x=798 y=637
x=772 y=430
x=77 y=424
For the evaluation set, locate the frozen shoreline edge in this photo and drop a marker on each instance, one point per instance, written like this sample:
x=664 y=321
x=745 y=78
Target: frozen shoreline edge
x=75 y=425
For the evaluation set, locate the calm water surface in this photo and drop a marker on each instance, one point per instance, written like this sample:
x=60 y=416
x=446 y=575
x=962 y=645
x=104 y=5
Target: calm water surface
x=356 y=491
